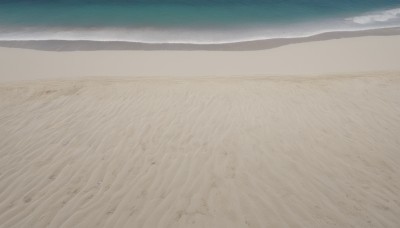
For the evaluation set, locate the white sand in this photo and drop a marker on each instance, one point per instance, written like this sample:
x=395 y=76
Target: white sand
x=350 y=55
x=243 y=152
x=316 y=151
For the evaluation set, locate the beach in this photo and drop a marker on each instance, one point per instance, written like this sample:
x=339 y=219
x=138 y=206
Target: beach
x=350 y=55
x=299 y=135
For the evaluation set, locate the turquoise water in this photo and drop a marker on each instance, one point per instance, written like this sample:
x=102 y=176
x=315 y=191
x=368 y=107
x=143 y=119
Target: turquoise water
x=184 y=21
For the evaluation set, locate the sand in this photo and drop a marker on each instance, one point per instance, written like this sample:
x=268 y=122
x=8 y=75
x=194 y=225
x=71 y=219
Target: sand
x=87 y=45
x=338 y=56
x=225 y=149
x=219 y=152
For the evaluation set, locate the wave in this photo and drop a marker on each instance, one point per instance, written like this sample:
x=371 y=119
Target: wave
x=382 y=16
x=384 y=19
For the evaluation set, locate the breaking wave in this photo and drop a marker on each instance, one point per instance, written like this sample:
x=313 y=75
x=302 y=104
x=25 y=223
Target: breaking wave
x=383 y=16
x=382 y=19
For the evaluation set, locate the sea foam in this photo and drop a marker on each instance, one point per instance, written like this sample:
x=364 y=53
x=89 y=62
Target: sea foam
x=382 y=16
x=240 y=33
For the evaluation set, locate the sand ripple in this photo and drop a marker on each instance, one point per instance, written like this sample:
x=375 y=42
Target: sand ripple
x=255 y=152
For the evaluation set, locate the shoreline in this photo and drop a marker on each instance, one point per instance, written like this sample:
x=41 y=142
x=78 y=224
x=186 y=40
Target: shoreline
x=337 y=56
x=85 y=45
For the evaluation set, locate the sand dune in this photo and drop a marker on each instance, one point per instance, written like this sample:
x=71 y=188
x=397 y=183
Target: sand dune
x=238 y=152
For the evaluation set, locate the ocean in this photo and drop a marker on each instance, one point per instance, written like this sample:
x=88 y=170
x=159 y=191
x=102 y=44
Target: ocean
x=189 y=21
